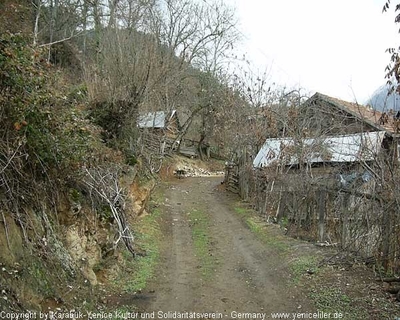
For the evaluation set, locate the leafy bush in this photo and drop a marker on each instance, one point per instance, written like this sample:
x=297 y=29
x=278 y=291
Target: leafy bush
x=45 y=136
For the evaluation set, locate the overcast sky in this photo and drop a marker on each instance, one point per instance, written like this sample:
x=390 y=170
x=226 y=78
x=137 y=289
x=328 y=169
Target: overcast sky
x=336 y=47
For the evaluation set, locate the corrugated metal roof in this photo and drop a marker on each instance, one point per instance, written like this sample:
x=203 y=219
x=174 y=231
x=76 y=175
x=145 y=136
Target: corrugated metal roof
x=346 y=148
x=154 y=119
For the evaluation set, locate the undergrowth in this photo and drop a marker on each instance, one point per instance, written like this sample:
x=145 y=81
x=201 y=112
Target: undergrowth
x=302 y=265
x=304 y=269
x=260 y=229
x=45 y=136
x=139 y=271
x=333 y=300
x=47 y=142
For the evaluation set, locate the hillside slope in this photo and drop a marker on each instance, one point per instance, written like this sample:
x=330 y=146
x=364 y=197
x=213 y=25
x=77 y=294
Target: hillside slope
x=69 y=204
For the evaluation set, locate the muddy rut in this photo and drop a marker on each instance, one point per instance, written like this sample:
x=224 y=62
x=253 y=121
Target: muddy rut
x=248 y=277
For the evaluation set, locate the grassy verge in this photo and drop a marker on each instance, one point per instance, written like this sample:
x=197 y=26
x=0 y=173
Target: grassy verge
x=148 y=238
x=303 y=264
x=281 y=244
x=334 y=300
x=326 y=295
x=202 y=243
x=330 y=300
x=262 y=230
x=139 y=271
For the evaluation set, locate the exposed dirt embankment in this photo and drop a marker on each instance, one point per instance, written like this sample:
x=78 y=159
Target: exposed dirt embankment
x=60 y=257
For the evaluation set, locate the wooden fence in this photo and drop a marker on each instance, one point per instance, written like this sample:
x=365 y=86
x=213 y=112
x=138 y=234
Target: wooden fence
x=156 y=142
x=321 y=210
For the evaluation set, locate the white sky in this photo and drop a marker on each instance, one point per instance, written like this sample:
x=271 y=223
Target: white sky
x=336 y=47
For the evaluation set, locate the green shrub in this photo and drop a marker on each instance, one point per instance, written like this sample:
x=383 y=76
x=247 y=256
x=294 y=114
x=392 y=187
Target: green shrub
x=45 y=136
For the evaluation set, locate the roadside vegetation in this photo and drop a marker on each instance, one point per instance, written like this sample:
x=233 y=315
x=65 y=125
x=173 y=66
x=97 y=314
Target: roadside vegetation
x=261 y=229
x=199 y=224
x=332 y=286
x=135 y=274
x=74 y=77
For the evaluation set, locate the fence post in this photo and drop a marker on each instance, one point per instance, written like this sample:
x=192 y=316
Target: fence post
x=345 y=219
x=321 y=206
x=281 y=207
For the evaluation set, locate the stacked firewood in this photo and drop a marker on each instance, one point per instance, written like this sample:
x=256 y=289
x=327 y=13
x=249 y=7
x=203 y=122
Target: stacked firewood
x=393 y=286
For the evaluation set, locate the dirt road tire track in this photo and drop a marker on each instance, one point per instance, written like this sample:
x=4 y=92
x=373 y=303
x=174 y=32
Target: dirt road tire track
x=249 y=276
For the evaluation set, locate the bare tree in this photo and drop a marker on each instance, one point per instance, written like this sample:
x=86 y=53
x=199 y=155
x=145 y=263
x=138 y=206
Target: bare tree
x=197 y=35
x=149 y=59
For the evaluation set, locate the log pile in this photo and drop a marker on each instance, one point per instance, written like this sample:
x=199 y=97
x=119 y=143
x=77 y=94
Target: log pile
x=152 y=142
x=393 y=286
x=156 y=143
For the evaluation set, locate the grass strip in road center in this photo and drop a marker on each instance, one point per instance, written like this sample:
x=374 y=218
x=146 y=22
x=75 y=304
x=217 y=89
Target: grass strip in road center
x=199 y=224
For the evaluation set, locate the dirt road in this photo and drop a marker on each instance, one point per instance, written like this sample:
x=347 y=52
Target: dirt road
x=247 y=277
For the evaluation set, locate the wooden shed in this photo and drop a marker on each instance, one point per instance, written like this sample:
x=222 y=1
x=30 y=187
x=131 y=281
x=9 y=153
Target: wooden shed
x=160 y=122
x=158 y=130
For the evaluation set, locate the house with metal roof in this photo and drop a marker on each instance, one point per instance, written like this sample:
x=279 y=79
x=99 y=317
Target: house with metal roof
x=337 y=132
x=334 y=149
x=160 y=122
x=159 y=130
x=322 y=175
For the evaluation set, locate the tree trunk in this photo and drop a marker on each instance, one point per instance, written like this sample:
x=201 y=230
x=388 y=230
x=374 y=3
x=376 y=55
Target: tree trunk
x=37 y=17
